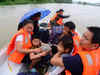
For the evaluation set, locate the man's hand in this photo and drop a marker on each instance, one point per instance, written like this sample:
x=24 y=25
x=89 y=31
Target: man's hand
x=60 y=49
x=57 y=60
x=47 y=73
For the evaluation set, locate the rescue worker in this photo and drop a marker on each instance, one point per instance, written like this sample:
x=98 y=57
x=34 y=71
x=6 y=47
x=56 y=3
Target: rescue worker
x=20 y=43
x=87 y=60
x=56 y=24
x=35 y=18
x=57 y=19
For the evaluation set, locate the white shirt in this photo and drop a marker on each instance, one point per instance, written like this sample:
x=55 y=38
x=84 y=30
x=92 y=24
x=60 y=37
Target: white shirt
x=20 y=38
x=58 y=69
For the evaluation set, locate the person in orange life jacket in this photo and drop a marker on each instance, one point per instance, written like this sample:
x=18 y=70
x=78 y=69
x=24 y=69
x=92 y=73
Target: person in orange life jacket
x=69 y=27
x=36 y=57
x=20 y=43
x=58 y=18
x=65 y=43
x=56 y=24
x=87 y=60
x=35 y=18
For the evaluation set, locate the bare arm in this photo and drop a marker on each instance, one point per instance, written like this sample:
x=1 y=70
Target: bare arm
x=57 y=60
x=33 y=56
x=62 y=16
x=19 y=47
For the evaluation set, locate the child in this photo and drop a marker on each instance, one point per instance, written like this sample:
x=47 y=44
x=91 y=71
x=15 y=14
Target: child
x=37 y=57
x=69 y=27
x=35 y=44
x=64 y=46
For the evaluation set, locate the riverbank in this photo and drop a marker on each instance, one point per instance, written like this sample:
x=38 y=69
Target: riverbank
x=19 y=2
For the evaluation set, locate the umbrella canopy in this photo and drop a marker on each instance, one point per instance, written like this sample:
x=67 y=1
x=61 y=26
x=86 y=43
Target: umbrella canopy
x=44 y=13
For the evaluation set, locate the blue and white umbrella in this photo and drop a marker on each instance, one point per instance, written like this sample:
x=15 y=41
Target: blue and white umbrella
x=44 y=13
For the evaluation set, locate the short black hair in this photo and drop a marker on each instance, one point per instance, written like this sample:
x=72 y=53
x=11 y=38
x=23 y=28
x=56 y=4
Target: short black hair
x=35 y=37
x=70 y=34
x=96 y=34
x=60 y=10
x=25 y=22
x=70 y=24
x=67 y=42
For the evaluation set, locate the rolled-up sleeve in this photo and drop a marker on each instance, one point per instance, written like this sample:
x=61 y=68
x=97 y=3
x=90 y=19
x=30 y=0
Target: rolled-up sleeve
x=19 y=38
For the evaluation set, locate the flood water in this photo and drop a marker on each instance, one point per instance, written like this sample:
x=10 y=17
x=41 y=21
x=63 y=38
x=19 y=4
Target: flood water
x=82 y=15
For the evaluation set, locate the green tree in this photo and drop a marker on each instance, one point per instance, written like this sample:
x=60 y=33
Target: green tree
x=2 y=0
x=13 y=0
x=63 y=1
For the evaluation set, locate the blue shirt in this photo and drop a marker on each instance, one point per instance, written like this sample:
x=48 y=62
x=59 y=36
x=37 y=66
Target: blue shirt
x=73 y=64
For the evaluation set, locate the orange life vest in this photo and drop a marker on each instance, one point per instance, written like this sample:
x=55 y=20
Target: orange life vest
x=60 y=21
x=91 y=62
x=13 y=54
x=76 y=40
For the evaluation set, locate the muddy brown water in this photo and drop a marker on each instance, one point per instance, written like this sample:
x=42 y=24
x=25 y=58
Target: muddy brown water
x=82 y=15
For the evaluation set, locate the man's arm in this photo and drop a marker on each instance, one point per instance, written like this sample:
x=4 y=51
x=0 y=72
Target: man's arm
x=57 y=60
x=72 y=63
x=62 y=16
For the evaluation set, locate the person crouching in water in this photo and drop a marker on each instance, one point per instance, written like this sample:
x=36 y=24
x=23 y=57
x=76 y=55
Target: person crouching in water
x=36 y=57
x=64 y=46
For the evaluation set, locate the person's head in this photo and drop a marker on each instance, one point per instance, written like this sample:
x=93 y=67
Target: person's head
x=60 y=11
x=36 y=16
x=65 y=44
x=28 y=26
x=36 y=41
x=90 y=39
x=69 y=27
